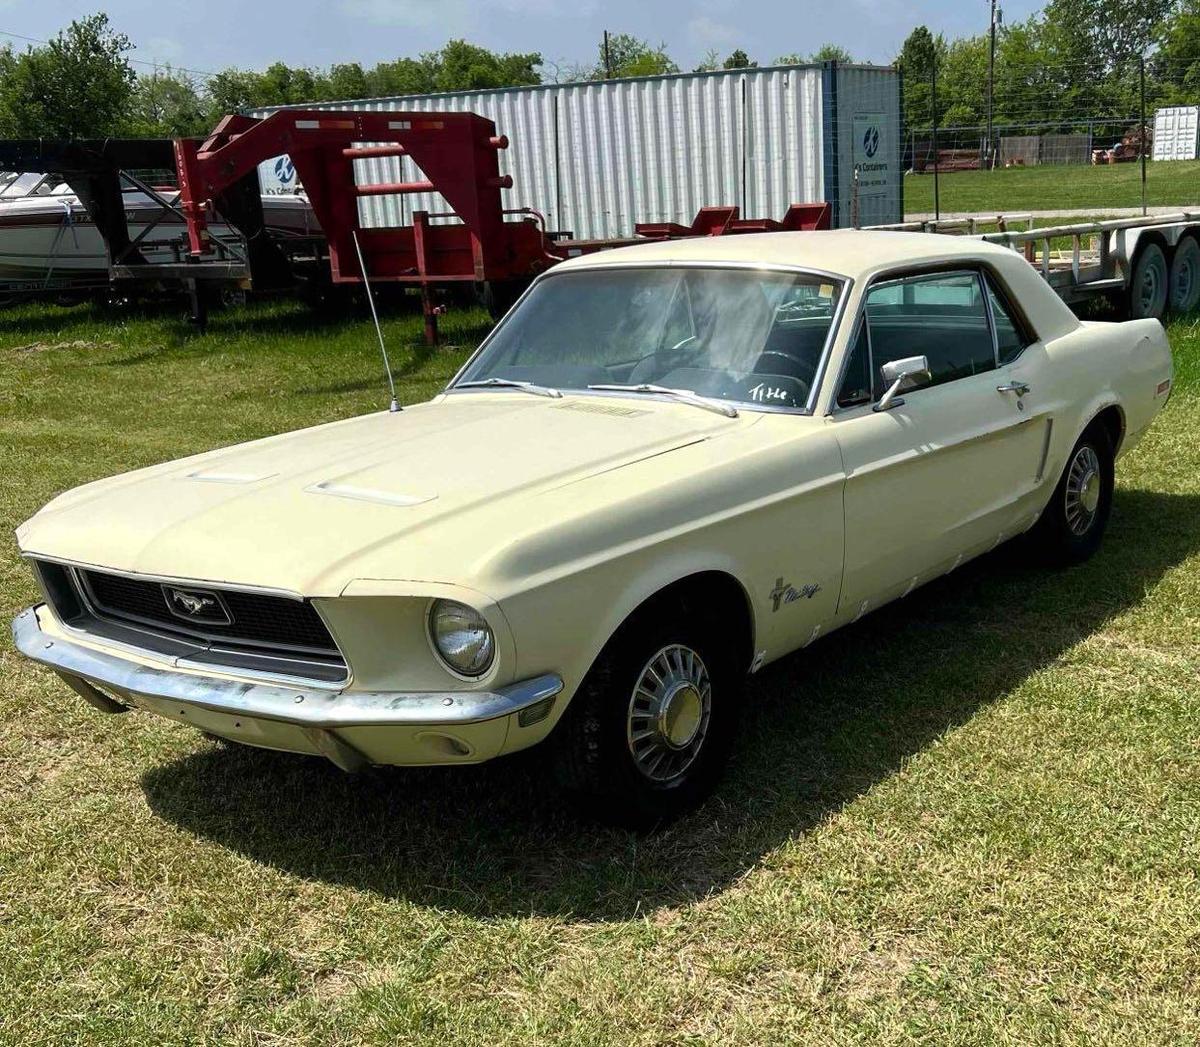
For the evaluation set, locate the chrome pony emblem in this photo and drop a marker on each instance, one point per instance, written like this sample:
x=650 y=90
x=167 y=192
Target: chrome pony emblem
x=197 y=605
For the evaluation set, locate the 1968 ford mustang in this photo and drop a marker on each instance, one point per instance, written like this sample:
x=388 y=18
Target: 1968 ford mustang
x=668 y=466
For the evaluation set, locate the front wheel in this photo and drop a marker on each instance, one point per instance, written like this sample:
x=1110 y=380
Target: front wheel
x=1072 y=526
x=651 y=728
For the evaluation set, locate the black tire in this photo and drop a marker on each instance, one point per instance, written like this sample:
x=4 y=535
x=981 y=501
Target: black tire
x=594 y=745
x=1148 y=288
x=1185 y=276
x=1068 y=532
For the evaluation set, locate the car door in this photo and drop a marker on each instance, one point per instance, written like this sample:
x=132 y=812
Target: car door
x=951 y=467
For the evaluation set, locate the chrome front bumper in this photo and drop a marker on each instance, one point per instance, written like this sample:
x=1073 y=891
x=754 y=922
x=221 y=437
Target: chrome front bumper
x=353 y=729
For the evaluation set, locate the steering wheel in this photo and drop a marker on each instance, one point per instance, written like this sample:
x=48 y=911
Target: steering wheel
x=799 y=367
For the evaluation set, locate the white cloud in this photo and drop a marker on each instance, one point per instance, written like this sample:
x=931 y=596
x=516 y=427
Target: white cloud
x=160 y=49
x=454 y=15
x=709 y=32
x=412 y=13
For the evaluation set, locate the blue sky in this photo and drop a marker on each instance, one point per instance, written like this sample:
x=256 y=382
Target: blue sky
x=212 y=34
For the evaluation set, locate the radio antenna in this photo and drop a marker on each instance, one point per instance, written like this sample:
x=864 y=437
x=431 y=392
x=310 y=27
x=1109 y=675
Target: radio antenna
x=387 y=367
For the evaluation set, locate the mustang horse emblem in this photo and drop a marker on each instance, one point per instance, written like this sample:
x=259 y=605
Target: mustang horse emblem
x=196 y=606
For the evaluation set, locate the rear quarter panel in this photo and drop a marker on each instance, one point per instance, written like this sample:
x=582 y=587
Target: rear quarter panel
x=1100 y=365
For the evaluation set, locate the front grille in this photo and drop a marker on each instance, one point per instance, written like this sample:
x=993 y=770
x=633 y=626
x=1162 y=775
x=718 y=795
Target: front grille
x=257 y=620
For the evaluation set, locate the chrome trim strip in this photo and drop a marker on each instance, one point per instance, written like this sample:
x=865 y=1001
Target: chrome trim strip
x=305 y=707
x=260 y=590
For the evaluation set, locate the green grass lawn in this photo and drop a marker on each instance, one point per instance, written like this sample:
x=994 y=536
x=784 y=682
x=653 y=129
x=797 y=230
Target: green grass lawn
x=1169 y=183
x=973 y=817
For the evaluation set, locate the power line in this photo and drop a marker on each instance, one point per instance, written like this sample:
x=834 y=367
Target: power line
x=134 y=61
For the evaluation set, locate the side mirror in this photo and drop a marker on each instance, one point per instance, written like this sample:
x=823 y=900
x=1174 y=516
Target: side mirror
x=902 y=374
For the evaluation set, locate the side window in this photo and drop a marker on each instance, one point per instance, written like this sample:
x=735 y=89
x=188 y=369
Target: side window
x=942 y=317
x=856 y=386
x=1010 y=336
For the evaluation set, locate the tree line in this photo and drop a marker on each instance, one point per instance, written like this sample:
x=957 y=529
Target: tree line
x=1076 y=59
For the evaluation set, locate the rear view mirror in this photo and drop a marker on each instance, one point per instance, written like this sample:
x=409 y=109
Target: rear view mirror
x=901 y=374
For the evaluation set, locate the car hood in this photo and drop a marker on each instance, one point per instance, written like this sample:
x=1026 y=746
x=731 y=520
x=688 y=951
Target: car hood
x=415 y=495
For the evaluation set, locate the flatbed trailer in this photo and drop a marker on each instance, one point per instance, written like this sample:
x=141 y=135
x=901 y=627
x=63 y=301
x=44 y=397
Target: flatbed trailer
x=1148 y=267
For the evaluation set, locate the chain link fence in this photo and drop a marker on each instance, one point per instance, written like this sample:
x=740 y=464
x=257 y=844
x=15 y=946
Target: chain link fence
x=1059 y=139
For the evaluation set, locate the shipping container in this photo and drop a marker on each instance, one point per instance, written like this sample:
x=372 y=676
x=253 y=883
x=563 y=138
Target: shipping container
x=594 y=158
x=1175 y=133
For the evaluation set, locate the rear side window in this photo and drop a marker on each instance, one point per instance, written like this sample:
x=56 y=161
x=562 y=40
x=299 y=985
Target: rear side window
x=942 y=317
x=1011 y=338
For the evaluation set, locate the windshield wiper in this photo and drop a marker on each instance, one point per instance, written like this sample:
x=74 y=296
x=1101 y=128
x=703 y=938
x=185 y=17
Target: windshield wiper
x=685 y=396
x=511 y=383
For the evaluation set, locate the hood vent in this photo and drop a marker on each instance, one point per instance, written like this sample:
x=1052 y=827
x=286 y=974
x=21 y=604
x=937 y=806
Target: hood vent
x=594 y=407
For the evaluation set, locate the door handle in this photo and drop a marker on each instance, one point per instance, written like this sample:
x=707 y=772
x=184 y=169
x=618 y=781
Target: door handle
x=1020 y=388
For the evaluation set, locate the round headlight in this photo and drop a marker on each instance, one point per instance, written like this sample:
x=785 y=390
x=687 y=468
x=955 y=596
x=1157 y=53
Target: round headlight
x=462 y=637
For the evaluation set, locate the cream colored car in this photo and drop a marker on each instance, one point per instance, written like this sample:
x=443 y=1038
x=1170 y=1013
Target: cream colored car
x=668 y=466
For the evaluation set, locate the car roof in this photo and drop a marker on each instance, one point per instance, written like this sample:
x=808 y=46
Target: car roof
x=855 y=253
x=861 y=254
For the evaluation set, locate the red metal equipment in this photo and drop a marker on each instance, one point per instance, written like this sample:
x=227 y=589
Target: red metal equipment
x=458 y=155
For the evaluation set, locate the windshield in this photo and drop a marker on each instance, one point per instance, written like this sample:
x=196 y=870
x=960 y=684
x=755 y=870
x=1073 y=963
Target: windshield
x=750 y=336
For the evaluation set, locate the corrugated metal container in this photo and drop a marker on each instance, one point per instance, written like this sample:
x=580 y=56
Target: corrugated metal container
x=1175 y=133
x=595 y=158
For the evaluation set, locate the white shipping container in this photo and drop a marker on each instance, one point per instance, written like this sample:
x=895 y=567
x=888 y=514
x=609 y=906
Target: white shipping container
x=595 y=158
x=1175 y=133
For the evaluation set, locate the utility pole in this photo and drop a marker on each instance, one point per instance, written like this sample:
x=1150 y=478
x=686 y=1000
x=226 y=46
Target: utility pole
x=987 y=152
x=937 y=203
x=607 y=58
x=1142 y=132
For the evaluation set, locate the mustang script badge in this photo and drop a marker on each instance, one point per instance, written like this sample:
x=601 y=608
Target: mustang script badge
x=785 y=593
x=197 y=605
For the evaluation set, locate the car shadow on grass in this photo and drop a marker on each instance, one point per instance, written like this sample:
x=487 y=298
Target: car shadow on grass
x=821 y=728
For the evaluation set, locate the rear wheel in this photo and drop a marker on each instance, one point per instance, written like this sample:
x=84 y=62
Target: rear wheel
x=1148 y=287
x=1072 y=526
x=1185 y=276
x=650 y=730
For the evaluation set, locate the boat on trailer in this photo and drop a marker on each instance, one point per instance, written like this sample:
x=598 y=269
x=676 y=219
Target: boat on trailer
x=49 y=242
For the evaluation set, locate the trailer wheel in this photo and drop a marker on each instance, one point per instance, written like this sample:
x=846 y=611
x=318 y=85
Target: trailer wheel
x=1185 y=276
x=1148 y=288
x=498 y=296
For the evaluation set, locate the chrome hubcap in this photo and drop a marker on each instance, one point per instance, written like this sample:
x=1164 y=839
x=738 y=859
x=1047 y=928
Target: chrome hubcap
x=1083 y=490
x=669 y=712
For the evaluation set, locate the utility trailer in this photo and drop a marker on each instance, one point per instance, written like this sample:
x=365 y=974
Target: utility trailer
x=477 y=242
x=1148 y=267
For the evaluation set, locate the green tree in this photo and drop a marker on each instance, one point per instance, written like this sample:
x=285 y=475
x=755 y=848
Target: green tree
x=962 y=82
x=739 y=60
x=232 y=90
x=1176 y=62
x=630 y=56
x=461 y=66
x=78 y=85
x=405 y=76
x=347 y=81
x=824 y=53
x=167 y=104
x=919 y=56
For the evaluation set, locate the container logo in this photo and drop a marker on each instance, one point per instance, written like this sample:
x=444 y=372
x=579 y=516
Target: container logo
x=871 y=141
x=285 y=170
